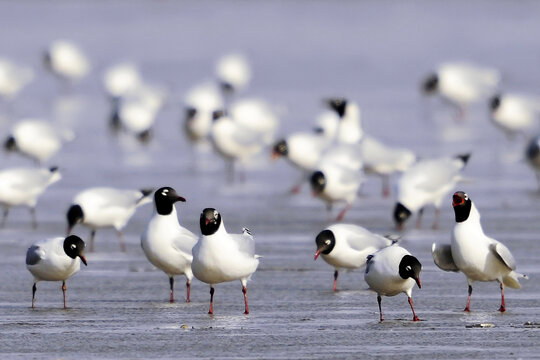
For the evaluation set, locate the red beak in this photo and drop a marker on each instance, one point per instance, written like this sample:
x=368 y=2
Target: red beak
x=206 y=221
x=83 y=258
x=317 y=254
x=418 y=282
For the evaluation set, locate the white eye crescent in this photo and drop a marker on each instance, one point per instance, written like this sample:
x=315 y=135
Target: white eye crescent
x=73 y=246
x=327 y=242
x=165 y=192
x=408 y=268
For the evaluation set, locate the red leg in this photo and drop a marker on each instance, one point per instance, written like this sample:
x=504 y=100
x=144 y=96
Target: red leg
x=342 y=212
x=188 y=288
x=380 y=308
x=467 y=308
x=244 y=290
x=503 y=307
x=335 y=280
x=211 y=310
x=171 y=282
x=64 y=292
x=122 y=243
x=415 y=318
x=386 y=186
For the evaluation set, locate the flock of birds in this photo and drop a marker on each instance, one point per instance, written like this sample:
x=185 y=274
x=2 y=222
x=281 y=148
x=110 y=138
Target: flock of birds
x=333 y=158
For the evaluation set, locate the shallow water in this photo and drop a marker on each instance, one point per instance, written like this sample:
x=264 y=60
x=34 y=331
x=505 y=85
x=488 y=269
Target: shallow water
x=372 y=52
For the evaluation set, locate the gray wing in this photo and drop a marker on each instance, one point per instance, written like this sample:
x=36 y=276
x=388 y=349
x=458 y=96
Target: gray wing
x=245 y=242
x=504 y=255
x=33 y=255
x=442 y=256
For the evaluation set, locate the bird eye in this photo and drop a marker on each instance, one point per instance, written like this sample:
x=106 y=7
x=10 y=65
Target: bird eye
x=164 y=192
x=466 y=197
x=408 y=268
x=216 y=214
x=73 y=246
x=327 y=242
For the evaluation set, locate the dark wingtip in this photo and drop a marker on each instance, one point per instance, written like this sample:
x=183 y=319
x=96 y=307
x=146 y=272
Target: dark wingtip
x=146 y=191
x=464 y=157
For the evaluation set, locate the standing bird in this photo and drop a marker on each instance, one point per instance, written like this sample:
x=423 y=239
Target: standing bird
x=478 y=256
x=233 y=72
x=166 y=244
x=55 y=259
x=426 y=183
x=219 y=256
x=36 y=139
x=13 y=78
x=391 y=271
x=23 y=187
x=515 y=113
x=65 y=60
x=346 y=246
x=102 y=207
x=461 y=84
x=348 y=129
x=338 y=177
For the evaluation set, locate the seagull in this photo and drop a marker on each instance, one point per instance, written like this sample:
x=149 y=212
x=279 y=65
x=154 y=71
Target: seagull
x=532 y=155
x=348 y=130
x=461 y=83
x=303 y=150
x=166 y=244
x=101 y=207
x=36 y=139
x=347 y=246
x=393 y=270
x=23 y=187
x=64 y=59
x=515 y=113
x=219 y=256
x=13 y=78
x=55 y=259
x=200 y=102
x=233 y=72
x=427 y=182
x=338 y=177
x=472 y=252
x=256 y=115
x=383 y=160
x=234 y=142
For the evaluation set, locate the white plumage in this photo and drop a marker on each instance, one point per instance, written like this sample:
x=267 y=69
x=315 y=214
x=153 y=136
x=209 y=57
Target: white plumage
x=24 y=186
x=515 y=113
x=233 y=72
x=66 y=60
x=13 y=78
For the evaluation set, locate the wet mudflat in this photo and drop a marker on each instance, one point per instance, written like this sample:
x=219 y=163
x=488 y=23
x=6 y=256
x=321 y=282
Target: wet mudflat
x=373 y=53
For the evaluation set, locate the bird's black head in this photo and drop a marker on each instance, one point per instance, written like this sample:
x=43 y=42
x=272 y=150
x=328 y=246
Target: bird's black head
x=401 y=214
x=74 y=246
x=533 y=150
x=339 y=105
x=75 y=215
x=218 y=114
x=280 y=149
x=10 y=144
x=462 y=206
x=495 y=102
x=210 y=221
x=325 y=242
x=164 y=198
x=190 y=113
x=318 y=182
x=410 y=267
x=430 y=84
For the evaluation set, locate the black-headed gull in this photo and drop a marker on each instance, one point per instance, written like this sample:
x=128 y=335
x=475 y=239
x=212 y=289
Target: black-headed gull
x=36 y=139
x=348 y=129
x=234 y=142
x=427 y=182
x=338 y=177
x=23 y=187
x=200 y=102
x=219 y=256
x=256 y=115
x=13 y=78
x=55 y=259
x=346 y=246
x=102 y=207
x=515 y=113
x=166 y=244
x=532 y=156
x=472 y=252
x=461 y=83
x=393 y=270
x=233 y=72
x=66 y=60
